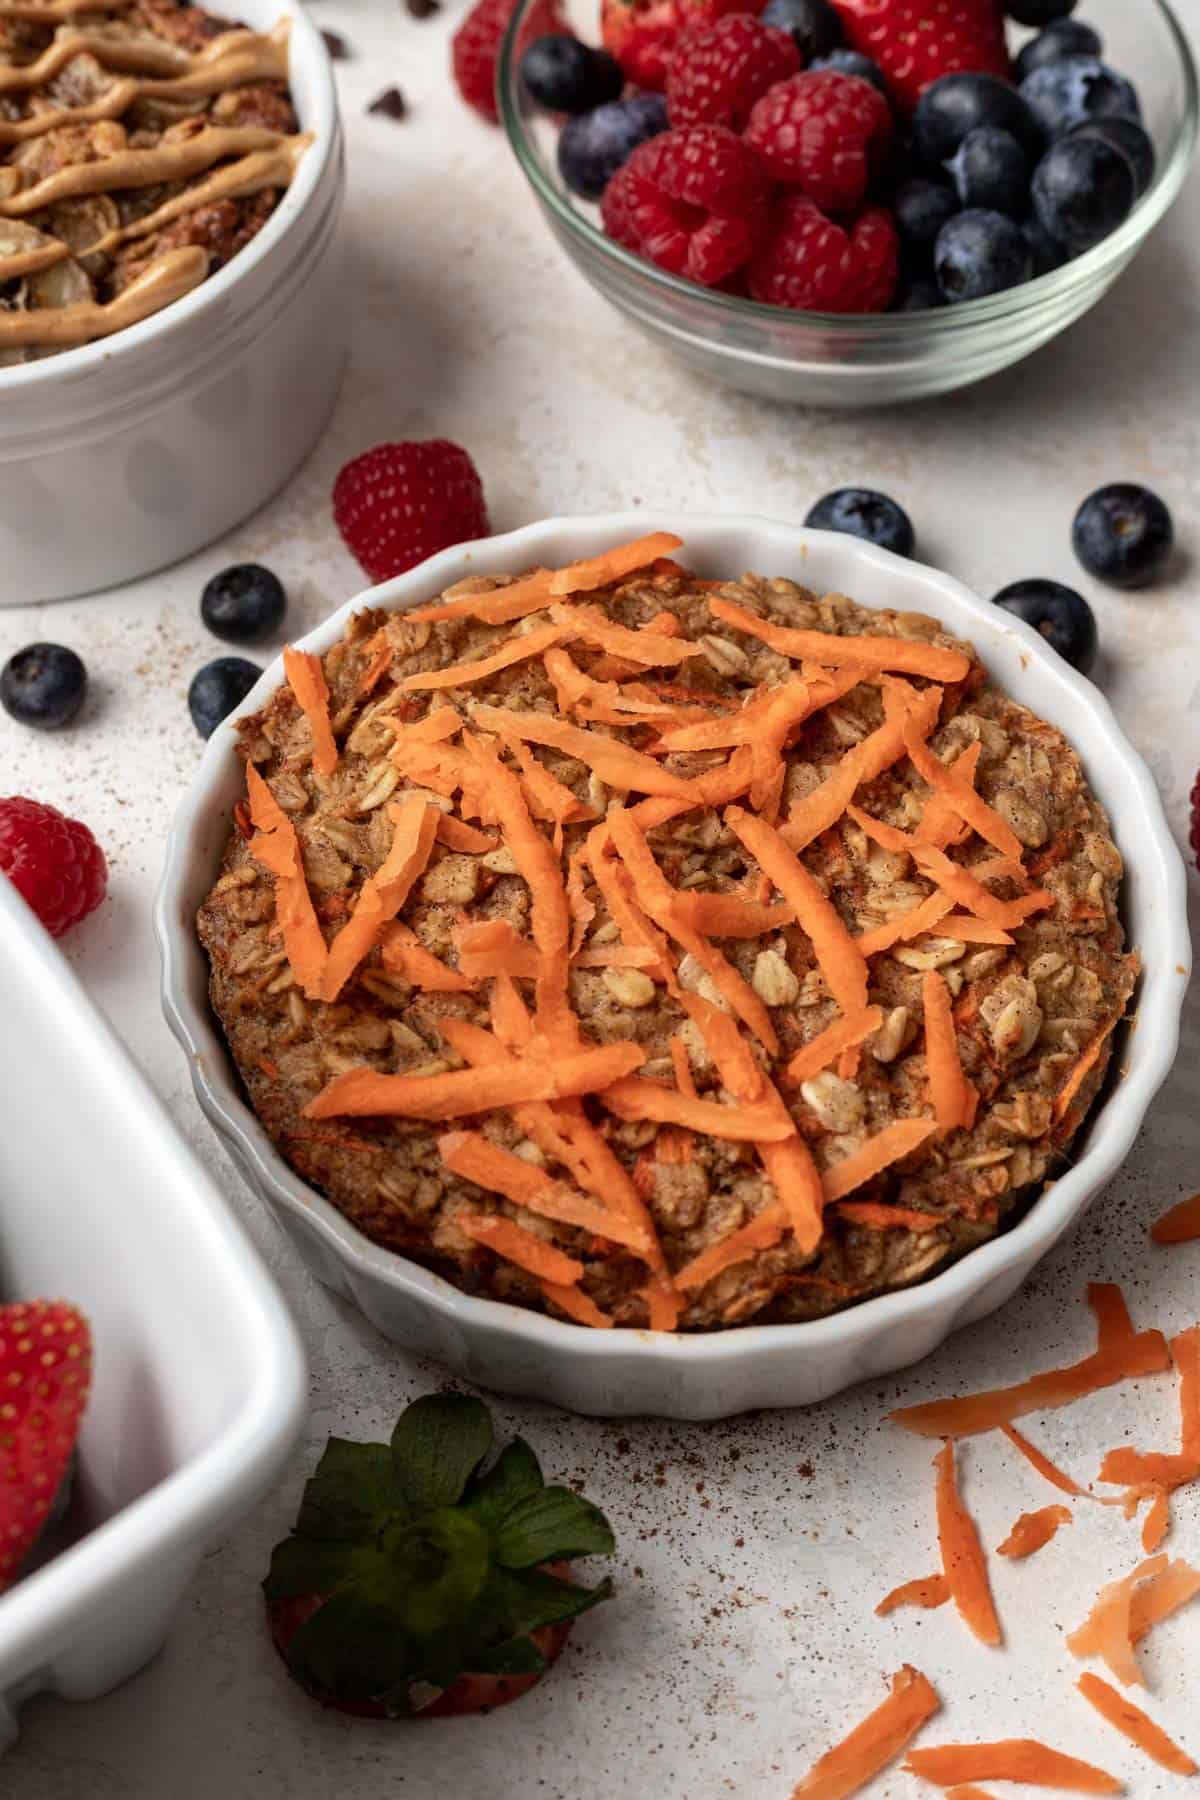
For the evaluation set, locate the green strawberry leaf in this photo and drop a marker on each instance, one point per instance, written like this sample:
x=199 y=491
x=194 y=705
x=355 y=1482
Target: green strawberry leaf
x=351 y=1649
x=513 y=1476
x=437 y=1446
x=307 y=1566
x=351 y=1491
x=516 y=1656
x=433 y=1571
x=524 y=1602
x=550 y=1525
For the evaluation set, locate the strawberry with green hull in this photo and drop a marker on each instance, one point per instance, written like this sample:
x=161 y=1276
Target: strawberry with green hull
x=427 y=1577
x=45 y=1373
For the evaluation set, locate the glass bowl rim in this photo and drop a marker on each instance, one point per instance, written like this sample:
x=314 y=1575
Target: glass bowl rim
x=937 y=323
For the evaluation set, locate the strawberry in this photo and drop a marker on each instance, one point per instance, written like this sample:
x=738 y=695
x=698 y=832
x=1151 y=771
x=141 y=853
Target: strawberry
x=641 y=34
x=916 y=41
x=397 y=504
x=45 y=1372
x=427 y=1577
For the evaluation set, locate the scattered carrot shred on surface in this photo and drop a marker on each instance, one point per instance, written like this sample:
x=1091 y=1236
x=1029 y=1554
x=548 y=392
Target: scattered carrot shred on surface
x=516 y=1245
x=1157 y=1525
x=1043 y=1465
x=963 y=1560
x=1144 y=1353
x=871 y=1746
x=907 y=655
x=1011 y=1759
x=306 y=678
x=968 y=1791
x=1135 y=1468
x=365 y=1092
x=1107 y=1632
x=576 y=1304
x=382 y=894
x=1161 y=1596
x=1134 y=1724
x=1033 y=1531
x=402 y=954
x=463 y=674
x=1179 y=1226
x=878 y=1153
x=948 y=1088
x=277 y=847
x=928 y=1592
x=845 y=1033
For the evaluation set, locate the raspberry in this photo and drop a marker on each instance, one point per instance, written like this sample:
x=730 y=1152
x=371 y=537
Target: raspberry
x=399 y=503
x=694 y=201
x=718 y=71
x=916 y=41
x=54 y=862
x=475 y=46
x=642 y=34
x=1194 y=836
x=813 y=265
x=824 y=132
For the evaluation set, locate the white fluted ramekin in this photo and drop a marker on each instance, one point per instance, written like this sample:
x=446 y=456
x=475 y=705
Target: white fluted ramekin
x=119 y=457
x=708 y=1375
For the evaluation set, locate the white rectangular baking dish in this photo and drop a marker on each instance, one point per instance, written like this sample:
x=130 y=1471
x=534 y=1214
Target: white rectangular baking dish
x=199 y=1377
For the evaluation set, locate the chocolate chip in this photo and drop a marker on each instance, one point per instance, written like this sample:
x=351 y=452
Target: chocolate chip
x=422 y=9
x=336 y=45
x=391 y=103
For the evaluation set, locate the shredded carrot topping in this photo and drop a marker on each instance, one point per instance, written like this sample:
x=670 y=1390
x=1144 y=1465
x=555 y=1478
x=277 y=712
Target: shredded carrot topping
x=652 y=648
x=1179 y=1226
x=947 y=1084
x=871 y=1746
x=401 y=954
x=964 y=887
x=457 y=835
x=903 y=927
x=475 y=1158
x=277 y=847
x=614 y=565
x=824 y=806
x=684 y=1079
x=908 y=655
x=630 y=1097
x=1033 y=1531
x=306 y=678
x=1134 y=1724
x=1083 y=1068
x=495 y=606
x=576 y=1304
x=463 y=674
x=762 y=1233
x=878 y=1153
x=516 y=1245
x=967 y=930
x=846 y=1033
x=1013 y=1759
x=493 y=948
x=797 y=1182
x=1145 y=1353
x=940 y=824
x=928 y=1592
x=957 y=792
x=962 y=1554
x=365 y=1093
x=382 y=894
x=877 y=1217
x=615 y=762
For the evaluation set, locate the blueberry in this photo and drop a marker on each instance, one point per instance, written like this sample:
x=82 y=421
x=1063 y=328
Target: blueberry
x=243 y=604
x=1082 y=190
x=1066 y=37
x=991 y=170
x=217 y=689
x=863 y=513
x=1059 y=614
x=1130 y=138
x=593 y=145
x=922 y=206
x=917 y=293
x=1063 y=94
x=568 y=76
x=1123 y=535
x=1038 y=12
x=853 y=62
x=956 y=104
x=815 y=27
x=43 y=685
x=1048 y=253
x=979 y=253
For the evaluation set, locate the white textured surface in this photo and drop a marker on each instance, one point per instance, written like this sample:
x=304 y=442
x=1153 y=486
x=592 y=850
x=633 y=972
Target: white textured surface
x=742 y=1640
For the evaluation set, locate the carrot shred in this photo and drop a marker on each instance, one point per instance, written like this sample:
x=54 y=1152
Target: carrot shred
x=578 y=905
x=375 y=671
x=1145 y=1353
x=463 y=674
x=846 y=1033
x=796 y=1180
x=964 y=887
x=516 y=1245
x=613 y=565
x=382 y=894
x=762 y=1232
x=928 y=1592
x=613 y=956
x=652 y=648
x=615 y=762
x=1157 y=1524
x=729 y=915
x=1043 y=1465
x=966 y=930
x=436 y=727
x=460 y=1092
x=1135 y=1725
x=576 y=1304
x=401 y=954
x=962 y=1553
x=1161 y=1596
x=494 y=606
x=940 y=824
x=1107 y=1632
x=662 y=1306
x=1167 y=1472
x=684 y=1079
x=873 y=1216
x=493 y=947
x=871 y=1746
x=908 y=655
x=1179 y=1226
x=631 y=1097
x=1033 y=1531
x=824 y=806
x=470 y=1155
x=967 y=1791
x=902 y=927
x=947 y=1083
x=456 y=834
x=841 y=961
x=1012 y=1759
x=878 y=1153
x=1083 y=1068
x=306 y=678
x=277 y=847
x=957 y=792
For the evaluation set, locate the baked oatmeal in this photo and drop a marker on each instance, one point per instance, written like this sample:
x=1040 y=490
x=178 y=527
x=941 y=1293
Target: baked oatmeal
x=143 y=143
x=658 y=951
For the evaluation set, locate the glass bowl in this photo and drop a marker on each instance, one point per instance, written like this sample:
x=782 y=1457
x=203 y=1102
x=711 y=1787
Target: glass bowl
x=836 y=360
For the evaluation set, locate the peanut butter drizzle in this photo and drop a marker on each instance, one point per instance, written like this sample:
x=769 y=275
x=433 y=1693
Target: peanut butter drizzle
x=244 y=56
x=140 y=168
x=168 y=278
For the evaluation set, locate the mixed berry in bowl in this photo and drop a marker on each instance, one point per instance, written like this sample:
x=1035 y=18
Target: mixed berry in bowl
x=842 y=157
